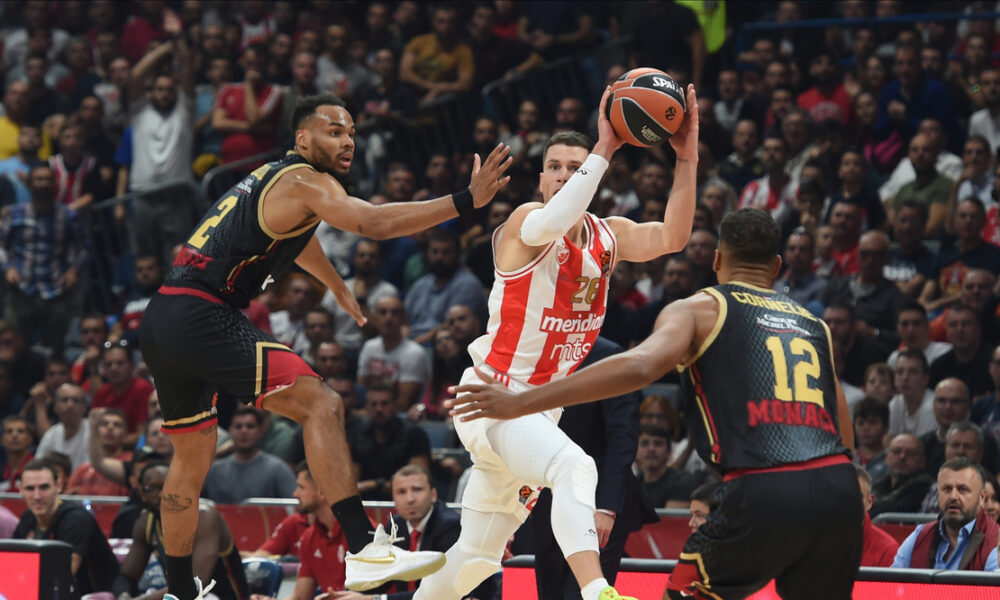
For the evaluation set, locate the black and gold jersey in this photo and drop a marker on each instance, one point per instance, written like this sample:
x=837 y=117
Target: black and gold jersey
x=761 y=392
x=232 y=253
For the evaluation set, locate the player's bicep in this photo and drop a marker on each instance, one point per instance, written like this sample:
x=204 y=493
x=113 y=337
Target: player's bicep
x=672 y=340
x=326 y=199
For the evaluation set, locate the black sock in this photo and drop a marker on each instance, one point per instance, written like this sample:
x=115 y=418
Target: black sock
x=180 y=576
x=354 y=522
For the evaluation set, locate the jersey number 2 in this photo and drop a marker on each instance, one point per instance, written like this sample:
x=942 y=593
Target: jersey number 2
x=805 y=368
x=199 y=237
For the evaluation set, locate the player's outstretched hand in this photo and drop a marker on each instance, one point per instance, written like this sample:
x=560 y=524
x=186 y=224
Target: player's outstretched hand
x=685 y=141
x=484 y=400
x=607 y=140
x=488 y=178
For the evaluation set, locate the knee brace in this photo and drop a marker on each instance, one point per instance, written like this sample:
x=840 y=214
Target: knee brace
x=573 y=472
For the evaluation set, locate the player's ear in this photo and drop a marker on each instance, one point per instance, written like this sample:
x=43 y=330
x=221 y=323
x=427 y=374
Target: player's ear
x=776 y=268
x=717 y=261
x=303 y=137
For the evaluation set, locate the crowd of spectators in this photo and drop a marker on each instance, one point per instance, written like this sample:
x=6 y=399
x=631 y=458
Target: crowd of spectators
x=875 y=147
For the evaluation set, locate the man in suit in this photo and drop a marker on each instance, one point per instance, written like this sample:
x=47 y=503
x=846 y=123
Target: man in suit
x=608 y=431
x=423 y=523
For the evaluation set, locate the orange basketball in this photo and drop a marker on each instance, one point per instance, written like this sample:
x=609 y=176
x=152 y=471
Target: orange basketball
x=646 y=107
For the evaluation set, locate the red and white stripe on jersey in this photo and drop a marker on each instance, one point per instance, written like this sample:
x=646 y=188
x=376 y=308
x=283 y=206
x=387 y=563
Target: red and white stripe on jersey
x=69 y=182
x=541 y=326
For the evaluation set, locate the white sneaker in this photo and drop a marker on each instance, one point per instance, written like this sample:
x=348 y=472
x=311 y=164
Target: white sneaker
x=380 y=561
x=203 y=592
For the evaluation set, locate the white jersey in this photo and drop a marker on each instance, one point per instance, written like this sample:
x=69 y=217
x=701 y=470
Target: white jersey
x=545 y=316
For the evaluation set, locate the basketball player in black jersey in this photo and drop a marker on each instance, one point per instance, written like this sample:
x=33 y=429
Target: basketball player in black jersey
x=764 y=407
x=198 y=344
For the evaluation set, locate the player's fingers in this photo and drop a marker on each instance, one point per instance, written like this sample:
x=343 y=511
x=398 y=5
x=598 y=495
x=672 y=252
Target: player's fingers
x=604 y=103
x=497 y=156
x=475 y=164
x=492 y=158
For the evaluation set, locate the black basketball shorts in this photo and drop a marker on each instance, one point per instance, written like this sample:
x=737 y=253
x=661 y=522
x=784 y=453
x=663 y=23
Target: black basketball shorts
x=802 y=528
x=197 y=346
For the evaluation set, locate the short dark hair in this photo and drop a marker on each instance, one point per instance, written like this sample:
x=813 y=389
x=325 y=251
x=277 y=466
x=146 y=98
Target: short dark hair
x=959 y=463
x=706 y=493
x=913 y=306
x=751 y=236
x=152 y=465
x=842 y=306
x=303 y=467
x=60 y=462
x=441 y=234
x=13 y=419
x=568 y=138
x=112 y=411
x=962 y=307
x=655 y=431
x=917 y=355
x=872 y=407
x=248 y=410
x=42 y=464
x=917 y=206
x=307 y=105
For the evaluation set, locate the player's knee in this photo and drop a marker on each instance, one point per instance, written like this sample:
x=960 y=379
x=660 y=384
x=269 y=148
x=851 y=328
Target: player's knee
x=324 y=404
x=573 y=471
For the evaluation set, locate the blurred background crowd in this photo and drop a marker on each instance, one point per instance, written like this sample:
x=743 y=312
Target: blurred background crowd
x=871 y=137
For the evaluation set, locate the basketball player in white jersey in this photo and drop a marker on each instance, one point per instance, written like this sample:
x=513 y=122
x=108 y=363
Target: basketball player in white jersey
x=553 y=265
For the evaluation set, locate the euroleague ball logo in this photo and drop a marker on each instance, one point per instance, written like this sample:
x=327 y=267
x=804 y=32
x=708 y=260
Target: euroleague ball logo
x=671 y=113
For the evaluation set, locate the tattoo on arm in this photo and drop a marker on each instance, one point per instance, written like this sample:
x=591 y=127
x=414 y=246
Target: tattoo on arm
x=173 y=503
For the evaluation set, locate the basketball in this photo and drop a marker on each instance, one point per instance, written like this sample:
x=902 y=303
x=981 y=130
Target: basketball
x=646 y=107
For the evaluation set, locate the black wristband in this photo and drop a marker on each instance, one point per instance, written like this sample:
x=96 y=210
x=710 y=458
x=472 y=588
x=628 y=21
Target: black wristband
x=463 y=202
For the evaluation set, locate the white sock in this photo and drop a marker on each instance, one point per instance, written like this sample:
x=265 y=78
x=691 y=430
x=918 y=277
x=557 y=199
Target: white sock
x=593 y=590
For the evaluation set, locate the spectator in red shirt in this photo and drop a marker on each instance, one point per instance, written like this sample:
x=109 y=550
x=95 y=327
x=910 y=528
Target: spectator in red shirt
x=123 y=390
x=322 y=547
x=287 y=535
x=845 y=218
x=879 y=547
x=144 y=28
x=107 y=430
x=247 y=113
x=827 y=99
x=16 y=443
